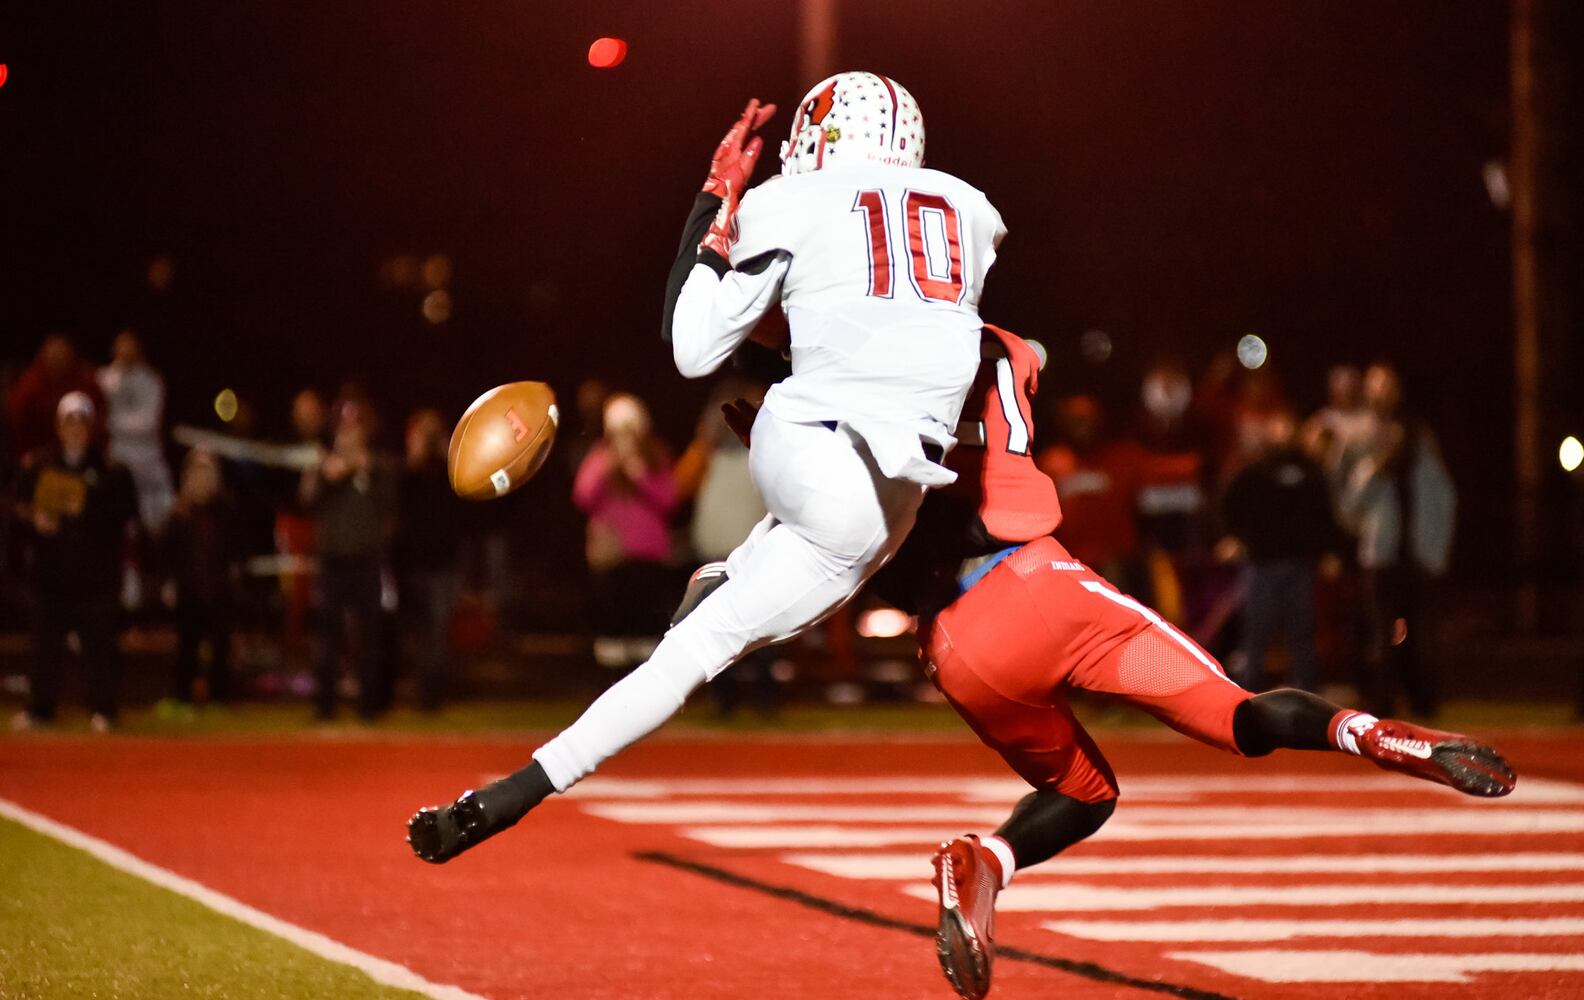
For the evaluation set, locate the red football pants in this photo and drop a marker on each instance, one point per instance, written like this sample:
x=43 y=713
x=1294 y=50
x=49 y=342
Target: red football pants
x=1005 y=653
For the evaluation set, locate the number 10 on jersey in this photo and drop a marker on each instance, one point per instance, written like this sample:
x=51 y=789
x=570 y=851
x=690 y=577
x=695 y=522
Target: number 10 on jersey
x=932 y=235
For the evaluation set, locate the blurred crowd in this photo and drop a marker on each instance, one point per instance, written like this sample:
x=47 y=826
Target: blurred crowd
x=1250 y=525
x=1302 y=548
x=314 y=546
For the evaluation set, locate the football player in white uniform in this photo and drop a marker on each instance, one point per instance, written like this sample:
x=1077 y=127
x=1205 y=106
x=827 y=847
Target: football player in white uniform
x=878 y=264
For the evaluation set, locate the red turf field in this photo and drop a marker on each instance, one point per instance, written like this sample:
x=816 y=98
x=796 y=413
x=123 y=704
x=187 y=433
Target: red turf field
x=727 y=868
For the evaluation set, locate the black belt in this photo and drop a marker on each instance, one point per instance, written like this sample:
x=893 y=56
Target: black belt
x=932 y=451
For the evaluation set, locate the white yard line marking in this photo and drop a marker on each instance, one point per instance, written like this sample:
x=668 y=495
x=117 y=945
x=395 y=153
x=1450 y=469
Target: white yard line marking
x=754 y=837
x=1282 y=930
x=832 y=836
x=1282 y=966
x=672 y=813
x=380 y=970
x=1356 y=822
x=1380 y=824
x=1534 y=791
x=1060 y=897
x=906 y=865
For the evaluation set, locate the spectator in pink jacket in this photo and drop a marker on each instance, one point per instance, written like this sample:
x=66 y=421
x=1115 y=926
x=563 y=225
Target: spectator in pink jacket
x=626 y=487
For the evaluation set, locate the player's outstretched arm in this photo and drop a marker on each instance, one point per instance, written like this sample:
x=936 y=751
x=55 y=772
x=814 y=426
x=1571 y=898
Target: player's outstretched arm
x=710 y=307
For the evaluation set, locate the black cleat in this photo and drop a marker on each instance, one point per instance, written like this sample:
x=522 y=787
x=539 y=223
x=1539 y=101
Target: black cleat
x=439 y=833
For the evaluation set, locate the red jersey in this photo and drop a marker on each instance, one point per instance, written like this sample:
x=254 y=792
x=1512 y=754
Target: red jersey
x=994 y=458
x=1000 y=499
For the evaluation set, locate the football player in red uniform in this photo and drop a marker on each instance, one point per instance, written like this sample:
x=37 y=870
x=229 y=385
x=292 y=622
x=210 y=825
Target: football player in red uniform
x=1006 y=633
x=1011 y=622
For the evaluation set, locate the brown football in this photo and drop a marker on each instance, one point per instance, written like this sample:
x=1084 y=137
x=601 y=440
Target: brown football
x=502 y=440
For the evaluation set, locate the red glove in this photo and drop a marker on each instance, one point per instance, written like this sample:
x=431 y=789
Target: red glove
x=730 y=172
x=740 y=414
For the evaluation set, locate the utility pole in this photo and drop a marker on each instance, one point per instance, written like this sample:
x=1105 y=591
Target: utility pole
x=1527 y=449
x=816 y=41
x=1546 y=163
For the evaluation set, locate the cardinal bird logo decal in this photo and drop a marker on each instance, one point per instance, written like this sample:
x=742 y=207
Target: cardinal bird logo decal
x=820 y=105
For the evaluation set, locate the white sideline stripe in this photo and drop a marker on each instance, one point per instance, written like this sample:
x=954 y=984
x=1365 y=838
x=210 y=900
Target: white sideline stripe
x=1360 y=822
x=1057 y=897
x=380 y=970
x=1282 y=930
x=988 y=789
x=1282 y=966
x=900 y=865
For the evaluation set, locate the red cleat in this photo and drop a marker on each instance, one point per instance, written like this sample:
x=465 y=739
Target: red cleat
x=1448 y=758
x=967 y=879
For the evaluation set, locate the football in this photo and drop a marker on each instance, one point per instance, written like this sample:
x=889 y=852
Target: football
x=502 y=440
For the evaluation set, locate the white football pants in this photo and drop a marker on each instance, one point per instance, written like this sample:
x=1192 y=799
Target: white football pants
x=834 y=520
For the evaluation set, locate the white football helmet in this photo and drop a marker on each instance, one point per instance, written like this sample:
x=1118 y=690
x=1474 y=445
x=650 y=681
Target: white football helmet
x=855 y=118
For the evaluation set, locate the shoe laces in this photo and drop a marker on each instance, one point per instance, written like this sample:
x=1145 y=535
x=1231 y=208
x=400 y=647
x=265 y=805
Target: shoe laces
x=1405 y=745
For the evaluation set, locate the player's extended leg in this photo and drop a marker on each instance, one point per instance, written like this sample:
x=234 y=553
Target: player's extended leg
x=1168 y=675
x=977 y=662
x=1297 y=720
x=835 y=520
x=438 y=834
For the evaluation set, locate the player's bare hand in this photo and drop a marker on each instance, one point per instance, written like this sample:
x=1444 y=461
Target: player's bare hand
x=45 y=523
x=740 y=415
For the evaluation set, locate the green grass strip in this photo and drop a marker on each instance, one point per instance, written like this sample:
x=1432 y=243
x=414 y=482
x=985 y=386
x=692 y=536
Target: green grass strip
x=73 y=926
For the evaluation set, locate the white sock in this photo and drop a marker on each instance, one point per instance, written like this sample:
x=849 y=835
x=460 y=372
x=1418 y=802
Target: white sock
x=1003 y=852
x=1351 y=728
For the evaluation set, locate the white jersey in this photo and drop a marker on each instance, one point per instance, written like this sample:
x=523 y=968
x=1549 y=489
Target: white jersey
x=882 y=290
x=879 y=270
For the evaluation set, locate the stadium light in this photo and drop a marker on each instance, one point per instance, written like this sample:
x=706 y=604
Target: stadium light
x=436 y=306
x=225 y=405
x=1095 y=346
x=884 y=623
x=607 y=53
x=1252 y=352
x=1571 y=454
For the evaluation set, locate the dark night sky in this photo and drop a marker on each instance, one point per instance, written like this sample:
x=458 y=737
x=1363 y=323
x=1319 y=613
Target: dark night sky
x=1177 y=174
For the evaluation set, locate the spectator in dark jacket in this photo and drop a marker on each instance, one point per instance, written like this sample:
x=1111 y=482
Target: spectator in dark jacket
x=1278 y=512
x=78 y=504
x=1400 y=502
x=427 y=541
x=352 y=494
x=205 y=547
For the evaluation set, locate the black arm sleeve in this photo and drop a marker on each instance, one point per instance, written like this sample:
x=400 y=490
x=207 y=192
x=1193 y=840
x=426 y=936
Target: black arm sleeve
x=688 y=254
